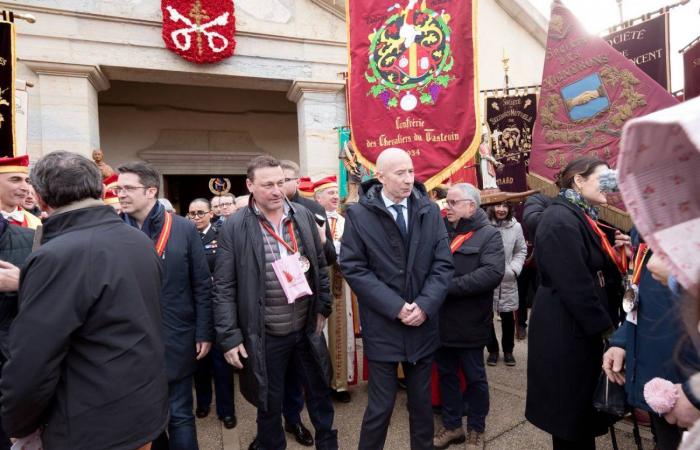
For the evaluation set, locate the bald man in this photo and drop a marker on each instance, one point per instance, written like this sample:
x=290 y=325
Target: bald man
x=396 y=257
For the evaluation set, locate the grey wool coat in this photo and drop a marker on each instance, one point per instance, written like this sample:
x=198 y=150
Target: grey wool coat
x=505 y=296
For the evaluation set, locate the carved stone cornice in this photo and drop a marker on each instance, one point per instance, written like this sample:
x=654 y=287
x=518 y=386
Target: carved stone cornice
x=301 y=87
x=93 y=73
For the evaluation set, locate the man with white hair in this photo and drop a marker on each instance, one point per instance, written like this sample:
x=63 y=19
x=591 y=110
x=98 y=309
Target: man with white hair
x=466 y=316
x=395 y=256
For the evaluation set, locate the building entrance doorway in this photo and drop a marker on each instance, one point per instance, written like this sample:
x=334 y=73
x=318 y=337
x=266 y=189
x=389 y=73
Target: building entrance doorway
x=182 y=189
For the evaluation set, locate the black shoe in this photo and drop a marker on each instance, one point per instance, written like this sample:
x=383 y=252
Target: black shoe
x=229 y=421
x=254 y=445
x=301 y=433
x=508 y=359
x=492 y=360
x=341 y=396
x=521 y=333
x=202 y=412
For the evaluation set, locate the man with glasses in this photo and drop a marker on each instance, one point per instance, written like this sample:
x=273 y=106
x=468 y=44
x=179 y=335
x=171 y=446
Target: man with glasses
x=213 y=365
x=185 y=297
x=227 y=205
x=466 y=317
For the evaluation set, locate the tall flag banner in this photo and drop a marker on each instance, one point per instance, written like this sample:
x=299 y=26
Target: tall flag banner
x=510 y=120
x=691 y=70
x=589 y=90
x=201 y=31
x=412 y=82
x=8 y=61
x=647 y=45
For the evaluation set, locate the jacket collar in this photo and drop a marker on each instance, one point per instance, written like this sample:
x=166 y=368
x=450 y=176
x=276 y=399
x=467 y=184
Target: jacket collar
x=580 y=215
x=153 y=223
x=475 y=222
x=77 y=218
x=371 y=197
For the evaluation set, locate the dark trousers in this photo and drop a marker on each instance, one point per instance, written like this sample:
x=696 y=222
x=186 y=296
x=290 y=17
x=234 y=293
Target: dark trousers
x=383 y=385
x=526 y=280
x=181 y=428
x=293 y=402
x=668 y=437
x=508 y=334
x=214 y=365
x=471 y=360
x=279 y=351
x=582 y=444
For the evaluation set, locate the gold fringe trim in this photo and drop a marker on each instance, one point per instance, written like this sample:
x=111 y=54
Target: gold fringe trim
x=610 y=214
x=471 y=150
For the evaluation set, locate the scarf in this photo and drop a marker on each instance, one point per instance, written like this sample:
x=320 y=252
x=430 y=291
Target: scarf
x=575 y=198
x=153 y=223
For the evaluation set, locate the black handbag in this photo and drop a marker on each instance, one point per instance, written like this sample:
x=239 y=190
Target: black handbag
x=610 y=398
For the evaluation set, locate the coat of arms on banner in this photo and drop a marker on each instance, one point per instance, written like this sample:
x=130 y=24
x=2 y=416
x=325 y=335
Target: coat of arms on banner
x=201 y=31
x=410 y=58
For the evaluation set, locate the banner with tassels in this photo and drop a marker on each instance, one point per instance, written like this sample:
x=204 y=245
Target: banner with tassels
x=412 y=82
x=8 y=62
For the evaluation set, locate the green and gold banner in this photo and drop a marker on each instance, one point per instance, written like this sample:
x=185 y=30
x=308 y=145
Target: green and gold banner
x=7 y=88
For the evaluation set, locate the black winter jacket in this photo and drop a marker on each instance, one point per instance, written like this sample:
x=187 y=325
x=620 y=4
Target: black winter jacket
x=467 y=314
x=385 y=273
x=239 y=295
x=86 y=351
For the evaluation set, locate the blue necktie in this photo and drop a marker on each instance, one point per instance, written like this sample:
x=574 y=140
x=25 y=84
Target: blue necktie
x=400 y=221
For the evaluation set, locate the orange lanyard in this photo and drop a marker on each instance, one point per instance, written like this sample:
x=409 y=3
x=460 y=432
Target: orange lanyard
x=639 y=263
x=164 y=234
x=619 y=258
x=334 y=225
x=459 y=240
x=290 y=228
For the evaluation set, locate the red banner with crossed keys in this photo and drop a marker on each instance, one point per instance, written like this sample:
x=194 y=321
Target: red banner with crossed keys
x=201 y=31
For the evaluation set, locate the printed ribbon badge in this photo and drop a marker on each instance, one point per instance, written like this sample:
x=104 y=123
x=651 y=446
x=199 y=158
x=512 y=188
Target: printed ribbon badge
x=410 y=55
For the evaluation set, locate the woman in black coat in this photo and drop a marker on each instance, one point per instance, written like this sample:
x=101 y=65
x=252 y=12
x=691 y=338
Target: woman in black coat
x=570 y=315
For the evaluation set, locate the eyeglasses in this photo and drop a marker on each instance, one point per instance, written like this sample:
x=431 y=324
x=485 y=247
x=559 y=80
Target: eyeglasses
x=126 y=189
x=225 y=204
x=453 y=203
x=197 y=214
x=287 y=180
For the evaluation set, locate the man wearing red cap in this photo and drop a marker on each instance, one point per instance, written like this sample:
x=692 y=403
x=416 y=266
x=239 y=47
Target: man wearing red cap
x=109 y=194
x=341 y=330
x=14 y=173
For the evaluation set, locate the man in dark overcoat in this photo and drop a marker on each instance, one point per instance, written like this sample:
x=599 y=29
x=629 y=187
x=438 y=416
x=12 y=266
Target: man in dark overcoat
x=396 y=258
x=185 y=296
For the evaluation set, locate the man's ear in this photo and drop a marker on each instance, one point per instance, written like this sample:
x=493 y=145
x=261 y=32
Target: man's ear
x=42 y=205
x=249 y=185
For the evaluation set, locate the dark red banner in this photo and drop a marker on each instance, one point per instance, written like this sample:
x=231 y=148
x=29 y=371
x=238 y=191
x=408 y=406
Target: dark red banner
x=510 y=121
x=201 y=31
x=647 y=46
x=8 y=61
x=589 y=90
x=412 y=82
x=691 y=69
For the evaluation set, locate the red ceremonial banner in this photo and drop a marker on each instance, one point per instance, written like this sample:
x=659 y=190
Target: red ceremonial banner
x=412 y=82
x=201 y=31
x=691 y=70
x=589 y=90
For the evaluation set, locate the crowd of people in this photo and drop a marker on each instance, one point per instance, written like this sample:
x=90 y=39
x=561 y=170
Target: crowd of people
x=122 y=320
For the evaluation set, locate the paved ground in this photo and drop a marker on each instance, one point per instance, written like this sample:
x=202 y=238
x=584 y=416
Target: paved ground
x=506 y=427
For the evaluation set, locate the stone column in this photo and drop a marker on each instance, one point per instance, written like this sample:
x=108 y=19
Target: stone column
x=320 y=109
x=68 y=116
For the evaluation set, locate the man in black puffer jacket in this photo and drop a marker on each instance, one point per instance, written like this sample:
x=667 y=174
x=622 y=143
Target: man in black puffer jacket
x=466 y=316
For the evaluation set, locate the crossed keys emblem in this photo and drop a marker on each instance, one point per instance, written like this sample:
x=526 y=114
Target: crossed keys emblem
x=183 y=36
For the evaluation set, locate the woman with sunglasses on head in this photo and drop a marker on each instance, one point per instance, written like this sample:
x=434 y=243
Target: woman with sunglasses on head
x=571 y=314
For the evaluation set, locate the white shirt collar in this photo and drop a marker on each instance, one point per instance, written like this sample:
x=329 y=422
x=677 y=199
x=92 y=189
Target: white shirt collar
x=206 y=230
x=388 y=202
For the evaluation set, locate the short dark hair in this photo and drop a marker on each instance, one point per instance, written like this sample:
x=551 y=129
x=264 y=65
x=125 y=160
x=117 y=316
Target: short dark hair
x=260 y=162
x=201 y=200
x=491 y=210
x=61 y=178
x=148 y=175
x=584 y=166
